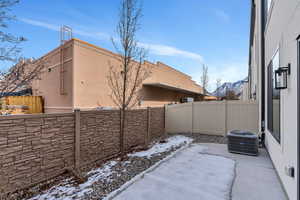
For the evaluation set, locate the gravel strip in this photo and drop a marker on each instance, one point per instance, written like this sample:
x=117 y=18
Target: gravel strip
x=123 y=172
x=204 y=138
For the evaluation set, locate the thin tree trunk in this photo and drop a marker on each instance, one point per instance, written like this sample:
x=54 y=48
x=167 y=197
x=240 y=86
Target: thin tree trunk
x=122 y=130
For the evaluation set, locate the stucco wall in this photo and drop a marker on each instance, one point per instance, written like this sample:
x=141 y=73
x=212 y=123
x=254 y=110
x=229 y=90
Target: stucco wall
x=281 y=32
x=156 y=96
x=91 y=68
x=86 y=70
x=91 y=89
x=48 y=83
x=162 y=73
x=255 y=76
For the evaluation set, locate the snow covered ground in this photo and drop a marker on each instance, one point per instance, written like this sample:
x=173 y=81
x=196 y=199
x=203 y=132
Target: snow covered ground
x=171 y=142
x=190 y=174
x=68 y=190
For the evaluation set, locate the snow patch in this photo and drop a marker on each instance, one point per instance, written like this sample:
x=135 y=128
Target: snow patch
x=68 y=191
x=174 y=141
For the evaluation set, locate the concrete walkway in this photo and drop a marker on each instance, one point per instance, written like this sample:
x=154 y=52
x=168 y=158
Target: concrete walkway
x=205 y=171
x=255 y=179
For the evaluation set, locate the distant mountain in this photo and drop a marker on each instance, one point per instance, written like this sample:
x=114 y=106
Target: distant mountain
x=229 y=86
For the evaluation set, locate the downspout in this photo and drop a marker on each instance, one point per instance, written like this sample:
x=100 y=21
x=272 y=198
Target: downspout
x=263 y=123
x=62 y=70
x=252 y=24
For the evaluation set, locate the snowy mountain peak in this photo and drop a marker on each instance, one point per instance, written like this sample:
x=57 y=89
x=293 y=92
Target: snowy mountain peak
x=229 y=86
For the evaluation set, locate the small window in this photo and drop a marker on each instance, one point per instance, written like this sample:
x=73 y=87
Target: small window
x=49 y=69
x=273 y=99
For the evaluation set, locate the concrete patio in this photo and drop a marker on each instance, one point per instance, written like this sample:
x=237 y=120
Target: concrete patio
x=250 y=178
x=256 y=177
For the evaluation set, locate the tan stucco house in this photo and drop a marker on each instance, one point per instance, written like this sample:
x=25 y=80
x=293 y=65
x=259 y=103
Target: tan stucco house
x=81 y=80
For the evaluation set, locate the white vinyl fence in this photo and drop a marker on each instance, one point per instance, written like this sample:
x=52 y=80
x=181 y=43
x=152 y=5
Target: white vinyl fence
x=215 y=118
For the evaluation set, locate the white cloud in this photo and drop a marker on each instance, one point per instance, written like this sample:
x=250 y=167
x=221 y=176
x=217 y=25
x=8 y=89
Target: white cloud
x=155 y=49
x=222 y=15
x=40 y=24
x=165 y=50
x=95 y=35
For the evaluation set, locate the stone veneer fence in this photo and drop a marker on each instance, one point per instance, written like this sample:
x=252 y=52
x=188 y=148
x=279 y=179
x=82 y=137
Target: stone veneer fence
x=35 y=148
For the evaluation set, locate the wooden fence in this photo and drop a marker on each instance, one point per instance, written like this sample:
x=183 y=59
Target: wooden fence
x=214 y=118
x=34 y=103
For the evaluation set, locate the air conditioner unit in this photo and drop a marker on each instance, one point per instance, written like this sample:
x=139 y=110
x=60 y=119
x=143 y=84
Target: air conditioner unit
x=242 y=142
x=186 y=99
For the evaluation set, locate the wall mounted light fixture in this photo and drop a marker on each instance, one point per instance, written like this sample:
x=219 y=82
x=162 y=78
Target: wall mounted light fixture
x=281 y=75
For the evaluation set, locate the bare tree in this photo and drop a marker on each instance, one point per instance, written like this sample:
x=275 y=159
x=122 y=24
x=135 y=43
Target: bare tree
x=20 y=76
x=218 y=85
x=125 y=80
x=204 y=79
x=9 y=50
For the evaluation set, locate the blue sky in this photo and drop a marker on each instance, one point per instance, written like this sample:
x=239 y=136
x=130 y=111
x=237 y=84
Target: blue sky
x=181 y=33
